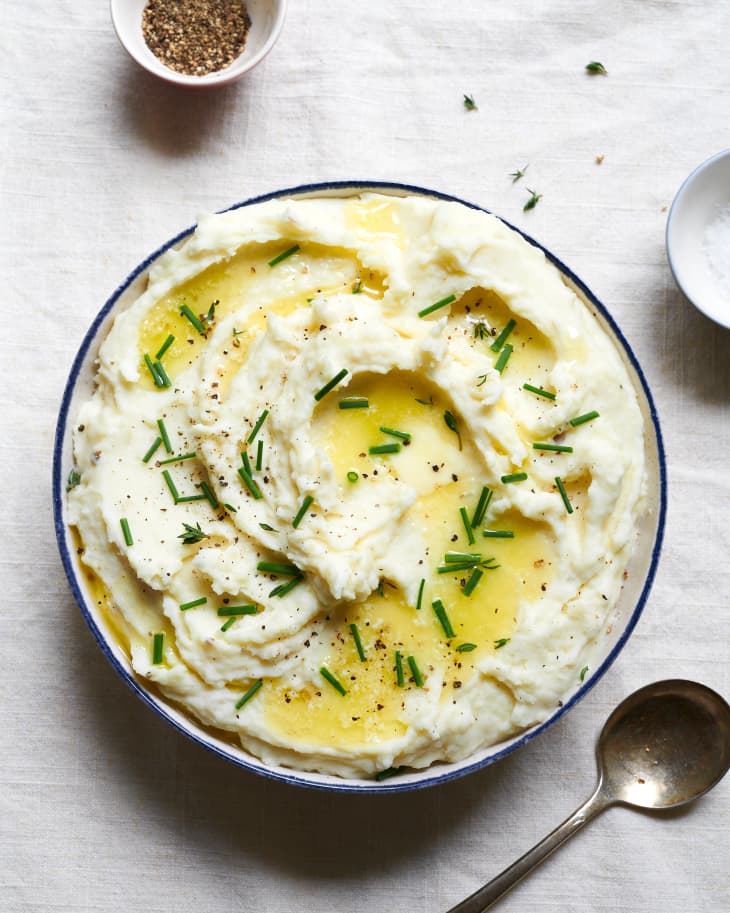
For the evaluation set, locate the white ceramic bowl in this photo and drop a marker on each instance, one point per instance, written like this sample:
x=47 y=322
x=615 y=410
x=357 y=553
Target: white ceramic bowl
x=619 y=626
x=699 y=201
x=267 y=19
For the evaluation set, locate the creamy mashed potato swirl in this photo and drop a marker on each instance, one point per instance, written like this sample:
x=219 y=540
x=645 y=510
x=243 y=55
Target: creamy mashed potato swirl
x=359 y=481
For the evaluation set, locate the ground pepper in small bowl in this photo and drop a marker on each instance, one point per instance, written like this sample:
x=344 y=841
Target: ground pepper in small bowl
x=195 y=37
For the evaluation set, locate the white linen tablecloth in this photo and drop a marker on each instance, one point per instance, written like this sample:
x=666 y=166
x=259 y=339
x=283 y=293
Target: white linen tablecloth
x=102 y=806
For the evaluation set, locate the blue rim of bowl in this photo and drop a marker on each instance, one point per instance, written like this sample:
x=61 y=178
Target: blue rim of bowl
x=295 y=778
x=667 y=242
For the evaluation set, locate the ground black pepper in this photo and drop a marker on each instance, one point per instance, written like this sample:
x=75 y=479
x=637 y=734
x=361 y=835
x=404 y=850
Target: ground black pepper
x=195 y=37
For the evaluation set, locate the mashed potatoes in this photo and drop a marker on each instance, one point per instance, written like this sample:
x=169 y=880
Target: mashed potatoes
x=359 y=481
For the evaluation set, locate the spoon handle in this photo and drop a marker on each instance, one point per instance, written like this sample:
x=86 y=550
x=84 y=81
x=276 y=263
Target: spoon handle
x=482 y=899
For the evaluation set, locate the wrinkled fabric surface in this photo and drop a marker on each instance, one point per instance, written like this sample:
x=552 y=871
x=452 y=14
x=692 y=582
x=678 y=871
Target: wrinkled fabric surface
x=103 y=807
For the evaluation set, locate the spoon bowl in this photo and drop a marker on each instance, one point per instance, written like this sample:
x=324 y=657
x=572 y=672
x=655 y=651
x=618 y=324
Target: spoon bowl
x=665 y=745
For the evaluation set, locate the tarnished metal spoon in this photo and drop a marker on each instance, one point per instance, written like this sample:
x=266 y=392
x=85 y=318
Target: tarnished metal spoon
x=665 y=745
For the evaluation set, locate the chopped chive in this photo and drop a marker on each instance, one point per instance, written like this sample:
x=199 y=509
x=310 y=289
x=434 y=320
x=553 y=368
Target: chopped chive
x=582 y=419
x=209 y=495
x=158 y=643
x=282 y=256
x=250 y=484
x=328 y=676
x=228 y=624
x=384 y=448
x=283 y=588
x=227 y=610
x=482 y=505
x=285 y=570
x=357 y=287
x=471 y=583
x=466 y=648
x=165 y=346
x=358 y=642
x=164 y=435
x=467 y=525
x=439 y=304
x=539 y=391
x=179 y=459
x=352 y=476
x=425 y=402
x=403 y=435
x=454 y=562
x=498 y=533
x=265 y=526
x=415 y=672
x=126 y=532
x=443 y=618
x=162 y=374
x=514 y=477
x=502 y=642
x=461 y=557
x=186 y=312
x=257 y=427
x=153 y=371
x=564 y=494
x=246 y=462
x=302 y=510
x=188 y=499
x=74 y=479
x=354 y=402
x=501 y=362
x=259 y=456
x=151 y=452
x=583 y=672
x=184 y=606
x=388 y=772
x=230 y=507
x=331 y=384
x=503 y=336
x=171 y=485
x=399 y=678
x=554 y=448
x=420 y=593
x=249 y=694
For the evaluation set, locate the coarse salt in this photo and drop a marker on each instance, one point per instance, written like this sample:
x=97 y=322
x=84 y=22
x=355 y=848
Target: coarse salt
x=716 y=246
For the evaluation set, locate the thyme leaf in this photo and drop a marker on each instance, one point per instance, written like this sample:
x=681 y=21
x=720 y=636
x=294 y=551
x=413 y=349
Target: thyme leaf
x=452 y=424
x=533 y=200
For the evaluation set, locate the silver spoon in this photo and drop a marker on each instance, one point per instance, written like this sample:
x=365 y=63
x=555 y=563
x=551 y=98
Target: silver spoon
x=665 y=745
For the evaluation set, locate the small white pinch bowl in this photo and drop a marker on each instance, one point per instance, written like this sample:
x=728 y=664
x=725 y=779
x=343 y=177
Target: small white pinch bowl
x=697 y=204
x=267 y=19
x=620 y=624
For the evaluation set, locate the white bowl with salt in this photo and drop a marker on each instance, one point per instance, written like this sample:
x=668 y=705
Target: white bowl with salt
x=698 y=238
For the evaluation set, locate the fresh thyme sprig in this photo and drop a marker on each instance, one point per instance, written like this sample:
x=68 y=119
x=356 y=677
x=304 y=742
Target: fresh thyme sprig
x=192 y=534
x=469 y=103
x=519 y=173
